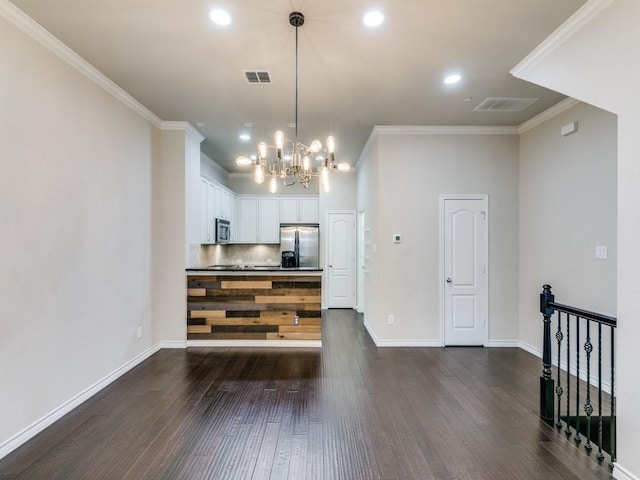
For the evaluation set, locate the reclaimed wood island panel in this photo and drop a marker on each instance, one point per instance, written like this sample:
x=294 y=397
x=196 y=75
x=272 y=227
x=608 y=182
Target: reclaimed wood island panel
x=254 y=305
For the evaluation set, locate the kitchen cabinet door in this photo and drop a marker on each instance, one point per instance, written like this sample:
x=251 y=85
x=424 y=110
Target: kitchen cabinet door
x=247 y=220
x=309 y=210
x=269 y=220
x=299 y=210
x=289 y=209
x=205 y=233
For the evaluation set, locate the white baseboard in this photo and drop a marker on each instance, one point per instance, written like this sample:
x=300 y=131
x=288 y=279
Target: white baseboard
x=503 y=344
x=606 y=386
x=174 y=344
x=256 y=343
x=39 y=425
x=408 y=343
x=621 y=473
x=400 y=342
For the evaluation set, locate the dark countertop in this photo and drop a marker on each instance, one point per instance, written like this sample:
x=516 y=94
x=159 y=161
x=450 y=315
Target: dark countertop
x=253 y=269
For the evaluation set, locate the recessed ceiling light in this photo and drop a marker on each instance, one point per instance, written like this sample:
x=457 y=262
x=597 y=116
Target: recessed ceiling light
x=254 y=157
x=292 y=125
x=373 y=18
x=453 y=78
x=200 y=124
x=468 y=99
x=248 y=124
x=287 y=157
x=220 y=17
x=245 y=137
x=319 y=157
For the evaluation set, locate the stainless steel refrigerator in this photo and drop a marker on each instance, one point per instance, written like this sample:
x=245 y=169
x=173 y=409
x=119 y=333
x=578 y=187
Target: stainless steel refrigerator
x=303 y=239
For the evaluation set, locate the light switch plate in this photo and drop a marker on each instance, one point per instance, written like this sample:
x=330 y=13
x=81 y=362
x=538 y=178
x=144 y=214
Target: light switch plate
x=601 y=252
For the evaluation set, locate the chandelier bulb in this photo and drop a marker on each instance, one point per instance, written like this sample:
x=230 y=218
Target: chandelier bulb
x=262 y=150
x=316 y=146
x=306 y=163
x=331 y=144
x=279 y=138
x=273 y=185
x=243 y=161
x=259 y=174
x=344 y=167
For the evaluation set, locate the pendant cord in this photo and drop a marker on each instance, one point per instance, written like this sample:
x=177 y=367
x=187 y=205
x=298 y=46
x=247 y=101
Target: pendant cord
x=296 y=119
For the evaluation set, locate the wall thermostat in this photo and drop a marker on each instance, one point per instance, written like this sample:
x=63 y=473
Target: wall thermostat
x=397 y=238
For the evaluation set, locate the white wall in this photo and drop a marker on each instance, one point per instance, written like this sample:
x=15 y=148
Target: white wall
x=413 y=170
x=567 y=207
x=212 y=170
x=367 y=202
x=593 y=58
x=76 y=221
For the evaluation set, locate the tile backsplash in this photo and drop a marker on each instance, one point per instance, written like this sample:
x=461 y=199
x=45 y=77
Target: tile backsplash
x=231 y=254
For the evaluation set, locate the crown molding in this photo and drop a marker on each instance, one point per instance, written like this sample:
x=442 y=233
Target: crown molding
x=444 y=130
x=565 y=31
x=548 y=114
x=183 y=126
x=30 y=27
x=240 y=175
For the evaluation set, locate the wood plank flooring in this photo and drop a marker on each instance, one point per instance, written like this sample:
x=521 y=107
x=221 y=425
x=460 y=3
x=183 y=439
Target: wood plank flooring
x=346 y=411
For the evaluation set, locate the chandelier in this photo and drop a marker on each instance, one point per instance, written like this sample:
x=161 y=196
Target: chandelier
x=293 y=161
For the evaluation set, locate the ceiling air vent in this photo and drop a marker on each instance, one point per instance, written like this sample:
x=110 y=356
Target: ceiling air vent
x=257 y=76
x=504 y=104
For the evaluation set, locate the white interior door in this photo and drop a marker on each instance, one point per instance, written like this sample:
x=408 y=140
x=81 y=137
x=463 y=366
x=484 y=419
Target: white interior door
x=341 y=260
x=464 y=261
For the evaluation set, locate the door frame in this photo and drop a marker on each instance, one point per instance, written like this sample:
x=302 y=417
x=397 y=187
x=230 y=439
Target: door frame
x=325 y=276
x=360 y=246
x=441 y=283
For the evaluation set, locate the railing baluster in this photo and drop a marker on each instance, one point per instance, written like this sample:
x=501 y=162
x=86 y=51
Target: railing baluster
x=550 y=394
x=578 y=438
x=600 y=455
x=612 y=433
x=588 y=408
x=559 y=337
x=568 y=429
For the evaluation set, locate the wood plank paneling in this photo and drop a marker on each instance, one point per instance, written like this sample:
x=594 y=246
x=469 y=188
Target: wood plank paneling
x=254 y=307
x=197 y=292
x=248 y=285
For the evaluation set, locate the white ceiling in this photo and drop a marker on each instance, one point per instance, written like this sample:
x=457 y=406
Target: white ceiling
x=174 y=60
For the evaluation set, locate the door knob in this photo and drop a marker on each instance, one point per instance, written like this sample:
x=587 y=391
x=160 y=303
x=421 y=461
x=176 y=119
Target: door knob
x=448 y=279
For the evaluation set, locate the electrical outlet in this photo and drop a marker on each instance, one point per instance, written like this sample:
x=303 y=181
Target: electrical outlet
x=391 y=320
x=296 y=320
x=140 y=332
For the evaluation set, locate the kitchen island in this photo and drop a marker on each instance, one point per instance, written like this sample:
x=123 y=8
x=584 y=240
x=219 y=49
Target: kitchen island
x=254 y=306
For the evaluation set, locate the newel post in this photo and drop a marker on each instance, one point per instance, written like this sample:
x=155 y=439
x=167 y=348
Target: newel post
x=546 y=382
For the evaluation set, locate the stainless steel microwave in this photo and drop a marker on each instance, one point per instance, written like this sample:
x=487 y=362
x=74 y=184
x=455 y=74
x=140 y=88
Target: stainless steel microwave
x=223 y=231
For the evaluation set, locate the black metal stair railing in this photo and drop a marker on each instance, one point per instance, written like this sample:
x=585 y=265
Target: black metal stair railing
x=601 y=429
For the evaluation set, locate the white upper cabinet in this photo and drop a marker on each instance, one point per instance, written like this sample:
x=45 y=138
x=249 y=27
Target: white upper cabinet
x=269 y=220
x=299 y=210
x=247 y=231
x=205 y=218
x=258 y=220
x=215 y=202
x=309 y=210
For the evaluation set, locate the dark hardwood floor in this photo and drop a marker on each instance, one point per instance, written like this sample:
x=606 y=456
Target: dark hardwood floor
x=348 y=411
